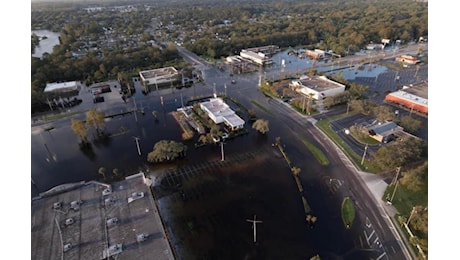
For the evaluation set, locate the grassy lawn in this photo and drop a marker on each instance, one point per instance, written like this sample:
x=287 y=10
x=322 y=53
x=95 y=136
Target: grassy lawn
x=61 y=115
x=261 y=107
x=348 y=212
x=316 y=152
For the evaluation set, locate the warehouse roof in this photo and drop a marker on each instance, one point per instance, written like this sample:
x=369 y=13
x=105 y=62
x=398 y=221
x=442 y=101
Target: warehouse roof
x=93 y=220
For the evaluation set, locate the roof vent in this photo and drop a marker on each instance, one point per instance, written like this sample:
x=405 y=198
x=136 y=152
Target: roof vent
x=107 y=191
x=112 y=222
x=67 y=247
x=69 y=221
x=75 y=205
x=142 y=237
x=135 y=196
x=112 y=250
x=57 y=205
x=109 y=201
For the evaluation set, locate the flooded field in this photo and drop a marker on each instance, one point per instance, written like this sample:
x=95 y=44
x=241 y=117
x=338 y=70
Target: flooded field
x=207 y=205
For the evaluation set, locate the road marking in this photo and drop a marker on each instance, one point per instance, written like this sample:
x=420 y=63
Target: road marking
x=368 y=223
x=368 y=238
x=380 y=256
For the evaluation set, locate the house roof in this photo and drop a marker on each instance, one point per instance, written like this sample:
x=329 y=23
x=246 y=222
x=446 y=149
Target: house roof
x=385 y=129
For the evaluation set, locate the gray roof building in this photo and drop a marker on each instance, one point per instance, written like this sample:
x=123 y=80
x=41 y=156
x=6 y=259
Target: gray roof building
x=93 y=220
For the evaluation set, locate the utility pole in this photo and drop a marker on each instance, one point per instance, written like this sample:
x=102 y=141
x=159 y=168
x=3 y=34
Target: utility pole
x=411 y=213
x=394 y=191
x=364 y=155
x=137 y=143
x=135 y=108
x=181 y=100
x=398 y=169
x=254 y=225
x=222 y=150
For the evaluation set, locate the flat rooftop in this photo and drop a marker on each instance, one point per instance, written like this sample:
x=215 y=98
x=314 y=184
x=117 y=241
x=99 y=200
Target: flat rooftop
x=70 y=85
x=146 y=74
x=418 y=89
x=93 y=220
x=319 y=83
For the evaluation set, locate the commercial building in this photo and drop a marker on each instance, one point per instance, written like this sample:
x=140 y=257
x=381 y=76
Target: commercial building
x=260 y=55
x=93 y=221
x=220 y=112
x=317 y=87
x=315 y=54
x=161 y=77
x=384 y=132
x=413 y=97
x=62 y=87
x=407 y=59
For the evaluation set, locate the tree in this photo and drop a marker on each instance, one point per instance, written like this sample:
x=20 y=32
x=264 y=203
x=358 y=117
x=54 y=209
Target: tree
x=79 y=128
x=95 y=119
x=416 y=179
x=261 y=125
x=166 y=150
x=400 y=153
x=419 y=219
x=410 y=124
x=384 y=113
x=116 y=172
x=155 y=115
x=101 y=171
x=296 y=171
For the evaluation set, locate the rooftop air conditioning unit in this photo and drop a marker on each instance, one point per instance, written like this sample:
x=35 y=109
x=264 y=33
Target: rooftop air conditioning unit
x=142 y=237
x=109 y=201
x=67 y=247
x=107 y=191
x=75 y=205
x=112 y=221
x=69 y=221
x=57 y=205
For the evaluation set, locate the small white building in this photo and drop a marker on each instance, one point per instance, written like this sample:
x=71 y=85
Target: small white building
x=220 y=112
x=159 y=77
x=318 y=87
x=62 y=87
x=256 y=57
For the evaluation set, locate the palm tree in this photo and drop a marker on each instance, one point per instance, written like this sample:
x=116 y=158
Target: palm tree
x=95 y=119
x=101 y=171
x=79 y=128
x=115 y=172
x=155 y=115
x=296 y=171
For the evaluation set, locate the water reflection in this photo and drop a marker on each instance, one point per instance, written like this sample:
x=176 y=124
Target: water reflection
x=47 y=44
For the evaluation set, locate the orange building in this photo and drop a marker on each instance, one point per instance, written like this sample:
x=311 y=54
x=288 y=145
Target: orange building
x=413 y=97
x=407 y=59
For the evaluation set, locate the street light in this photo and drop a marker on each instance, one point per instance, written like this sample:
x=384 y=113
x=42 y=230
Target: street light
x=364 y=155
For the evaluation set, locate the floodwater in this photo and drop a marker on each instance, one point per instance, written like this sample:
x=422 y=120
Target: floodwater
x=45 y=45
x=205 y=201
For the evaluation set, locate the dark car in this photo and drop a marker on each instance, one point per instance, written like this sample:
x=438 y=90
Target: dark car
x=98 y=99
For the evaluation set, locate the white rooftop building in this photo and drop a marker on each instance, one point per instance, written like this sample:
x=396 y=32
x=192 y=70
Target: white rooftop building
x=318 y=87
x=62 y=87
x=220 y=112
